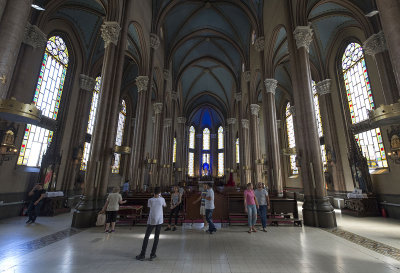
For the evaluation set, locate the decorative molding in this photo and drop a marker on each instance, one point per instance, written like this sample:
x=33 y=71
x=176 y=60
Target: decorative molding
x=110 y=33
x=255 y=108
x=86 y=83
x=247 y=76
x=154 y=41
x=167 y=122
x=259 y=43
x=245 y=123
x=303 y=36
x=238 y=96
x=141 y=82
x=34 y=36
x=166 y=74
x=181 y=120
x=231 y=121
x=324 y=87
x=375 y=44
x=157 y=107
x=270 y=85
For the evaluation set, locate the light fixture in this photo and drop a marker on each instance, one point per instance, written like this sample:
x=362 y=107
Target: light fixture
x=372 y=13
x=7 y=147
x=15 y=111
x=37 y=7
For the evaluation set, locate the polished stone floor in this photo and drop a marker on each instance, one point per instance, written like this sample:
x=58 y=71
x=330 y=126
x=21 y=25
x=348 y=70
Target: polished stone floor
x=51 y=246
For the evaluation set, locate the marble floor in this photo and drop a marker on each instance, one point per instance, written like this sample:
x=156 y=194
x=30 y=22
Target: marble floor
x=52 y=246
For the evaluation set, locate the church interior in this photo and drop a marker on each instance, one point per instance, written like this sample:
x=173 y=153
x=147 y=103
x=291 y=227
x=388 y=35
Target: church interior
x=102 y=96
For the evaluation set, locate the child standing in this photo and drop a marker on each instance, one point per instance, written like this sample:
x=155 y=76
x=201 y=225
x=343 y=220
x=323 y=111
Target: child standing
x=155 y=220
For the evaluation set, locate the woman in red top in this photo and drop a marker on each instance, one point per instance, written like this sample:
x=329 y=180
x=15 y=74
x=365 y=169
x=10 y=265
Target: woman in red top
x=251 y=206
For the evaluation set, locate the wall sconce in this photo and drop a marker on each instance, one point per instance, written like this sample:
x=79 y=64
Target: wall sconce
x=394 y=136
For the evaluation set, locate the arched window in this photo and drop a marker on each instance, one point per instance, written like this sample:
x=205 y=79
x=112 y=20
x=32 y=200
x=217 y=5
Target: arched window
x=319 y=123
x=237 y=151
x=360 y=100
x=192 y=133
x=291 y=140
x=47 y=98
x=174 y=152
x=119 y=137
x=206 y=139
x=92 y=119
x=220 y=151
x=206 y=150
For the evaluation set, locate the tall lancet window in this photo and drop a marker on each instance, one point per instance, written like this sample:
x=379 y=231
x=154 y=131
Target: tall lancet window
x=47 y=98
x=192 y=133
x=206 y=152
x=360 y=100
x=291 y=140
x=174 y=152
x=92 y=119
x=237 y=151
x=119 y=137
x=319 y=123
x=220 y=151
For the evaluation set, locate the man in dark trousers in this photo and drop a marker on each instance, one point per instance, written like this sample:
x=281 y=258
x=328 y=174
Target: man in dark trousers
x=155 y=220
x=37 y=193
x=209 y=206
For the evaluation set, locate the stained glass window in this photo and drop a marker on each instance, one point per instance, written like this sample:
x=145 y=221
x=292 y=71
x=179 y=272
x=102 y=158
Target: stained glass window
x=191 y=164
x=174 y=152
x=360 y=100
x=319 y=123
x=92 y=119
x=220 y=151
x=47 y=98
x=206 y=158
x=237 y=151
x=192 y=132
x=291 y=139
x=206 y=139
x=220 y=138
x=119 y=137
x=220 y=164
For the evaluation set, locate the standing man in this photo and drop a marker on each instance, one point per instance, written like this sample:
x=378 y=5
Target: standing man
x=209 y=206
x=37 y=193
x=155 y=220
x=263 y=202
x=202 y=198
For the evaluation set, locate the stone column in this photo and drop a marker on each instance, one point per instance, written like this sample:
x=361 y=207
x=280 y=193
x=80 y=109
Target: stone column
x=174 y=98
x=77 y=141
x=246 y=152
x=180 y=148
x=12 y=29
x=332 y=147
x=389 y=11
x=164 y=173
x=317 y=211
x=2 y=7
x=241 y=174
x=271 y=134
x=231 y=142
x=375 y=46
x=255 y=138
x=157 y=108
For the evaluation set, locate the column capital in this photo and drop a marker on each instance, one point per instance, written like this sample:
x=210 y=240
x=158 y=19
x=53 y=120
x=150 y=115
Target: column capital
x=34 y=36
x=231 y=121
x=181 y=120
x=238 y=96
x=245 y=123
x=270 y=85
x=86 y=83
x=375 y=44
x=246 y=76
x=324 y=87
x=154 y=41
x=110 y=32
x=142 y=82
x=303 y=36
x=255 y=108
x=167 y=122
x=259 y=44
x=157 y=107
x=166 y=74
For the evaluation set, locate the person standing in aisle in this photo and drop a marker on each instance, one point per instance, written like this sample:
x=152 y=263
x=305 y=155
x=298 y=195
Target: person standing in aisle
x=176 y=200
x=250 y=206
x=209 y=206
x=263 y=203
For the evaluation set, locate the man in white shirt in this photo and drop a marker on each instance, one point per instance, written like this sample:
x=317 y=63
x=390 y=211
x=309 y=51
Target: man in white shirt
x=209 y=206
x=155 y=220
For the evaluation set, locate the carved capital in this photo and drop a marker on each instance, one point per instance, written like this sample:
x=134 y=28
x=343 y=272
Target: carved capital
x=34 y=37
x=110 y=33
x=141 y=82
x=255 y=108
x=157 y=107
x=238 y=96
x=246 y=76
x=181 y=120
x=86 y=83
x=303 y=36
x=270 y=85
x=166 y=74
x=231 y=121
x=375 y=44
x=167 y=122
x=324 y=87
x=259 y=43
x=245 y=123
x=154 y=41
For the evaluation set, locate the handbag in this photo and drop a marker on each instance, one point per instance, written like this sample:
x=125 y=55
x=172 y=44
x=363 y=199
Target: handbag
x=101 y=219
